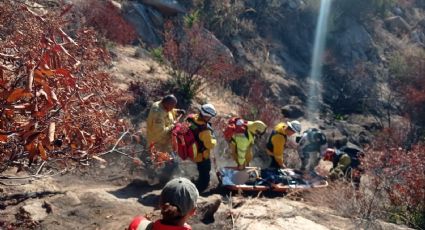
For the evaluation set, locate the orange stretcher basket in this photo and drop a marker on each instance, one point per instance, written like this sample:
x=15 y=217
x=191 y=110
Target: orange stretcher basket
x=250 y=179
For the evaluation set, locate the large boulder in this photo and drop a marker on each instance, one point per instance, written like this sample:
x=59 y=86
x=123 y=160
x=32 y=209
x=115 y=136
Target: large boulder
x=207 y=207
x=370 y=123
x=217 y=44
x=397 y=25
x=139 y=16
x=292 y=111
x=335 y=137
x=166 y=7
x=356 y=134
x=156 y=17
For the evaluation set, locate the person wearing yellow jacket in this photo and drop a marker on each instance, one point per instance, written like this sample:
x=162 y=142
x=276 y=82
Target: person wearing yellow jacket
x=241 y=143
x=160 y=122
x=206 y=142
x=277 y=141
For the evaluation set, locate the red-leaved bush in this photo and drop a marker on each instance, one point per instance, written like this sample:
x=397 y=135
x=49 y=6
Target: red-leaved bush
x=197 y=59
x=257 y=107
x=54 y=98
x=106 y=18
x=407 y=83
x=392 y=186
x=399 y=174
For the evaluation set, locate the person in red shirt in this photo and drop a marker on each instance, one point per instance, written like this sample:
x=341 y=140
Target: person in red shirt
x=177 y=202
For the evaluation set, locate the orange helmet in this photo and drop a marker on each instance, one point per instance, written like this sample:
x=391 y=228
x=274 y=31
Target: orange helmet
x=329 y=154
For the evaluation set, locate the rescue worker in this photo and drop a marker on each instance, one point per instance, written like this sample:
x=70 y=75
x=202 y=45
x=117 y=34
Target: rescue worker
x=346 y=164
x=241 y=143
x=177 y=203
x=277 y=141
x=160 y=122
x=206 y=142
x=311 y=147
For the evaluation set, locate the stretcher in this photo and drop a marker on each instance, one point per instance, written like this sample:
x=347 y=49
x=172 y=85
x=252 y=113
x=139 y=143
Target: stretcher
x=269 y=179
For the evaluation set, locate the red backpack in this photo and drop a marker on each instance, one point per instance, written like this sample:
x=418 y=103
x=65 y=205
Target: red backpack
x=234 y=126
x=185 y=139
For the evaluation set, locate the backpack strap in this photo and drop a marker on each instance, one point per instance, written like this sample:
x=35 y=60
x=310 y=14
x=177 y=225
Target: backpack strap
x=197 y=129
x=269 y=145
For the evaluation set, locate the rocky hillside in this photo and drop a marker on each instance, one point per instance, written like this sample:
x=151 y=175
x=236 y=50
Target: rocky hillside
x=107 y=195
x=273 y=41
x=369 y=47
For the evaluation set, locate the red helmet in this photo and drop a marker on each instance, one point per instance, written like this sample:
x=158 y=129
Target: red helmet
x=329 y=154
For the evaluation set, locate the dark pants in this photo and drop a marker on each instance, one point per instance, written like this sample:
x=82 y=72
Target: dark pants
x=204 y=168
x=273 y=163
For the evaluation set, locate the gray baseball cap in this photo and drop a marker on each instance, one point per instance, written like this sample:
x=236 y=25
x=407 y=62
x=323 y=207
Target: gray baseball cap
x=181 y=193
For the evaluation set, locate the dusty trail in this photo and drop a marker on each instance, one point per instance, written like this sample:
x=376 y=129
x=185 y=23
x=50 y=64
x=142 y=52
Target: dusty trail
x=108 y=198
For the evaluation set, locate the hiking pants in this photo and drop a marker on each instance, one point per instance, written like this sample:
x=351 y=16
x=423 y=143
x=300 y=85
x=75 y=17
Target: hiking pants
x=273 y=163
x=309 y=161
x=204 y=168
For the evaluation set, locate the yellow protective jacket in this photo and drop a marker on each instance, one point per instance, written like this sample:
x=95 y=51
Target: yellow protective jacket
x=277 y=141
x=206 y=137
x=159 y=126
x=241 y=147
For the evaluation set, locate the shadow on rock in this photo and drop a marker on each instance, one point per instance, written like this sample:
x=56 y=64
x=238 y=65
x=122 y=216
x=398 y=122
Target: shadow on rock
x=151 y=200
x=135 y=189
x=207 y=206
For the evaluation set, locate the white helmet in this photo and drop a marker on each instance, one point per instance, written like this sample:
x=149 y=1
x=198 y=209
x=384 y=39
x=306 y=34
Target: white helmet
x=295 y=125
x=208 y=110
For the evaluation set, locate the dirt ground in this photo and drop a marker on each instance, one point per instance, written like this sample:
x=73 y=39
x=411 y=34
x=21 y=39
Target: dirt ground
x=99 y=197
x=109 y=196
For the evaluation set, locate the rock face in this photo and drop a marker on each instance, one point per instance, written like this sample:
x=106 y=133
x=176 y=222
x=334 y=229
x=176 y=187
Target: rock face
x=281 y=213
x=147 y=18
x=356 y=134
x=167 y=7
x=139 y=16
x=335 y=137
x=354 y=43
x=207 y=206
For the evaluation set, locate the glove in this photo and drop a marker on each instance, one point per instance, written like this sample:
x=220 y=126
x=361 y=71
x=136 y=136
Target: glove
x=181 y=111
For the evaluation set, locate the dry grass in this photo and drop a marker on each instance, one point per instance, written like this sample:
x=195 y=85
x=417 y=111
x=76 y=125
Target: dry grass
x=369 y=202
x=338 y=196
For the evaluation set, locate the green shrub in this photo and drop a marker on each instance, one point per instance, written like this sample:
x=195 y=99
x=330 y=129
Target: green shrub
x=158 y=54
x=398 y=66
x=182 y=86
x=195 y=57
x=192 y=18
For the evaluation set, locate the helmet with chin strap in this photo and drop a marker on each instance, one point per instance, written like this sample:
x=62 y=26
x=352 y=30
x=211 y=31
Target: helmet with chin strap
x=208 y=110
x=295 y=126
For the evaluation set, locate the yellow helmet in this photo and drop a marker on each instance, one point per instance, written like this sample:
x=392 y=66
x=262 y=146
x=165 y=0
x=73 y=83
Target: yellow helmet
x=256 y=126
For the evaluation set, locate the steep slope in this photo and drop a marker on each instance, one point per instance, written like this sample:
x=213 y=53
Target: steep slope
x=108 y=196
